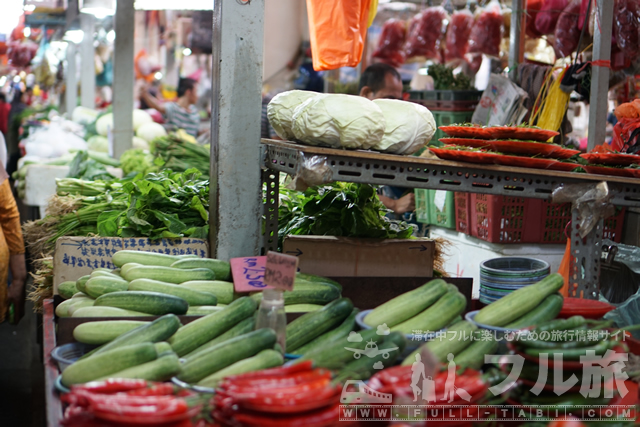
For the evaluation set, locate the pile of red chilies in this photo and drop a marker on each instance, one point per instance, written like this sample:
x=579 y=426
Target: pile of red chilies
x=296 y=395
x=118 y=402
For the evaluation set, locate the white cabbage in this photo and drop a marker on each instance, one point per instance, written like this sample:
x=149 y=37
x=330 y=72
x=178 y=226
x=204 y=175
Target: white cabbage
x=140 y=143
x=409 y=126
x=150 y=131
x=104 y=123
x=340 y=121
x=98 y=143
x=280 y=110
x=141 y=117
x=84 y=115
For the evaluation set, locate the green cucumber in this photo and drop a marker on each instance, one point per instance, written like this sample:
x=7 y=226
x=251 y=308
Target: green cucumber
x=473 y=356
x=80 y=295
x=121 y=258
x=95 y=273
x=307 y=293
x=158 y=330
x=222 y=290
x=221 y=269
x=97 y=286
x=191 y=296
x=67 y=289
x=128 y=266
x=62 y=310
x=167 y=274
x=161 y=369
x=302 y=308
x=407 y=305
x=200 y=366
x=243 y=327
x=146 y=302
x=318 y=279
x=107 y=312
x=264 y=360
x=107 y=363
x=203 y=310
x=311 y=325
x=81 y=282
x=163 y=348
x=547 y=310
x=457 y=338
x=103 y=331
x=79 y=303
x=519 y=302
x=194 y=334
x=341 y=332
x=362 y=368
x=337 y=354
x=435 y=317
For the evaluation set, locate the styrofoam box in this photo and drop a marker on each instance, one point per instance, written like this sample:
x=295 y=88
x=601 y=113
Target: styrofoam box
x=464 y=255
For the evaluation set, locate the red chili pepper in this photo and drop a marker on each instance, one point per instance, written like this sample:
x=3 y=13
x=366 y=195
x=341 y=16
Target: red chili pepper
x=250 y=393
x=321 y=418
x=163 y=412
x=289 y=406
x=275 y=372
x=164 y=389
x=290 y=381
x=112 y=385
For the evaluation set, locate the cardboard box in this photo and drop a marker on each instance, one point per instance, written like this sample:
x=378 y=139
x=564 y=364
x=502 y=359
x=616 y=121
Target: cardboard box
x=348 y=257
x=75 y=257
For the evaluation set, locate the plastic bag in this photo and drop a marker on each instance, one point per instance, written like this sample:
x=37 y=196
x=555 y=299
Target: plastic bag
x=458 y=32
x=337 y=31
x=626 y=27
x=591 y=201
x=311 y=171
x=547 y=18
x=425 y=31
x=391 y=42
x=584 y=6
x=533 y=7
x=486 y=33
x=622 y=132
x=567 y=31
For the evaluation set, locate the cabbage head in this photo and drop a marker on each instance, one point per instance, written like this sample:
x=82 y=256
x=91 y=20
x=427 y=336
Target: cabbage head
x=280 y=111
x=150 y=131
x=98 y=143
x=409 y=126
x=339 y=121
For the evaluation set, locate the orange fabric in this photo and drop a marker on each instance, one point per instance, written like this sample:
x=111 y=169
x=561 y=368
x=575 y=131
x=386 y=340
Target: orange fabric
x=337 y=29
x=628 y=110
x=565 y=269
x=10 y=239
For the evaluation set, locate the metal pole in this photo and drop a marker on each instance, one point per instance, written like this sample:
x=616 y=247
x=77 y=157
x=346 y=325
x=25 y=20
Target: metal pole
x=87 y=73
x=235 y=191
x=599 y=103
x=123 y=78
x=517 y=36
x=71 y=90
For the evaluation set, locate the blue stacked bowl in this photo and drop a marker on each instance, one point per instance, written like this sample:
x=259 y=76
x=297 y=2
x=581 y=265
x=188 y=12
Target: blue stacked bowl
x=501 y=276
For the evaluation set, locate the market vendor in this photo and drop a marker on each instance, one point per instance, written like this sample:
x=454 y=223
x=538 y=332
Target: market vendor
x=383 y=81
x=11 y=252
x=181 y=114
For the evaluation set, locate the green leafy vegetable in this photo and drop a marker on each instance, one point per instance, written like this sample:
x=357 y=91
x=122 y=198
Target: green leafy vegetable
x=444 y=79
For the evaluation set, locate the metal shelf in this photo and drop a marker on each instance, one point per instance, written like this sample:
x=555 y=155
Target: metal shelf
x=416 y=172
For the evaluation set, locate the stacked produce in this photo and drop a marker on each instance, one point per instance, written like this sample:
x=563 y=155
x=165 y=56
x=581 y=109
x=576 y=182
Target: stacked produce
x=180 y=152
x=351 y=122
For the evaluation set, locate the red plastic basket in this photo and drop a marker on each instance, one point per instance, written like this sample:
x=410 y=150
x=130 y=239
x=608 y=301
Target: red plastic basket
x=510 y=219
x=590 y=309
x=462 y=212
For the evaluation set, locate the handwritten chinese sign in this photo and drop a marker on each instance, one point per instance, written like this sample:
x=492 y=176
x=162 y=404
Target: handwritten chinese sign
x=280 y=271
x=248 y=273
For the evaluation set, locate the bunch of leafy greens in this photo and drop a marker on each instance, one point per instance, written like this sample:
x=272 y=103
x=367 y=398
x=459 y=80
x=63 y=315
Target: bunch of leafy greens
x=339 y=209
x=136 y=160
x=444 y=79
x=179 y=154
x=83 y=166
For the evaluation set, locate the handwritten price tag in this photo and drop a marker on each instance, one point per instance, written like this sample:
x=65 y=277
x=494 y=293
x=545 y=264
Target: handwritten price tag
x=280 y=271
x=249 y=274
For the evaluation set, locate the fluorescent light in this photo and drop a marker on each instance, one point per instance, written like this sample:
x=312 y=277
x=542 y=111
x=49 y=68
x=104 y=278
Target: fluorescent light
x=26 y=31
x=173 y=5
x=29 y=7
x=98 y=8
x=186 y=51
x=74 y=36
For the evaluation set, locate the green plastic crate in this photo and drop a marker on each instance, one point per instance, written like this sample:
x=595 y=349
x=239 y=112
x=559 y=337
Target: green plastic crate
x=446 y=118
x=427 y=211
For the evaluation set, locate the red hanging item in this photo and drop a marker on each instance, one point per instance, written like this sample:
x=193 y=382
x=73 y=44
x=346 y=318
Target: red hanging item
x=425 y=31
x=533 y=7
x=626 y=27
x=567 y=31
x=486 y=33
x=548 y=16
x=337 y=30
x=458 y=32
x=391 y=42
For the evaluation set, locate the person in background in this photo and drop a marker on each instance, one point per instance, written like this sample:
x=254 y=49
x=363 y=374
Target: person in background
x=18 y=105
x=5 y=107
x=11 y=252
x=383 y=81
x=180 y=114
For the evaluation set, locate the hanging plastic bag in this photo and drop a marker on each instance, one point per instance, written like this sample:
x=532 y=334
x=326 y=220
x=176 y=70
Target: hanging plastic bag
x=487 y=30
x=391 y=42
x=567 y=31
x=584 y=6
x=457 y=39
x=626 y=27
x=425 y=31
x=547 y=18
x=533 y=7
x=337 y=30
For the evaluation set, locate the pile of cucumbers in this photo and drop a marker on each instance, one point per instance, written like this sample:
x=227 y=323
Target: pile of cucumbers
x=151 y=284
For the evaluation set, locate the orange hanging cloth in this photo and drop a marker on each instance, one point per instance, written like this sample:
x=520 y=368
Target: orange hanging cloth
x=565 y=269
x=337 y=29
